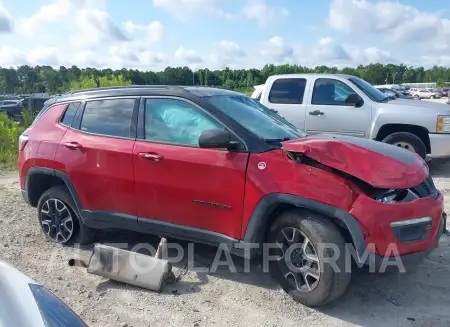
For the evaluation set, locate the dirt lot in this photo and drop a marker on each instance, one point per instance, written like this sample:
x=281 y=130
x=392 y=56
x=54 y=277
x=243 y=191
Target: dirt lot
x=421 y=298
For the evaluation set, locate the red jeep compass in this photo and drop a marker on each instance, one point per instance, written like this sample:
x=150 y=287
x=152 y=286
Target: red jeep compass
x=215 y=166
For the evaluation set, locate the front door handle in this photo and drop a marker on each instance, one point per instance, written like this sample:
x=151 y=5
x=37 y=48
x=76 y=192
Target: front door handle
x=316 y=113
x=73 y=145
x=151 y=156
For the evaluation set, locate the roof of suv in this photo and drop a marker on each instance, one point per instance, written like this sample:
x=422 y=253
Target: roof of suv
x=144 y=90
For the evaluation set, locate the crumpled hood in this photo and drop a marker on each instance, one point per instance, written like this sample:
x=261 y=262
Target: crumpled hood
x=378 y=164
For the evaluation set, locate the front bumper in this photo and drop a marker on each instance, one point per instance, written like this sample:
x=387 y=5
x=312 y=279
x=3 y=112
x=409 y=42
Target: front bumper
x=404 y=263
x=376 y=220
x=440 y=145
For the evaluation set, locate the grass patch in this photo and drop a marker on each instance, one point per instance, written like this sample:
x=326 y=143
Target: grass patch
x=9 y=137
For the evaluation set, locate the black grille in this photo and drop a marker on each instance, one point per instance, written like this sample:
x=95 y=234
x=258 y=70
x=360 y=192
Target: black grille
x=425 y=189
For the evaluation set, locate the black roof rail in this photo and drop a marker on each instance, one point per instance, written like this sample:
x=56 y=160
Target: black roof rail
x=99 y=89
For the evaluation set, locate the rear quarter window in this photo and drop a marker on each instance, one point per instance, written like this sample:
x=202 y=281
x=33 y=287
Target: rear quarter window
x=44 y=108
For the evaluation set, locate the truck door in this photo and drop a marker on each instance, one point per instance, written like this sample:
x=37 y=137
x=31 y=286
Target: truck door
x=329 y=113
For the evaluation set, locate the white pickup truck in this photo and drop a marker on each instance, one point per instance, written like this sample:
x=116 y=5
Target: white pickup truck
x=348 y=105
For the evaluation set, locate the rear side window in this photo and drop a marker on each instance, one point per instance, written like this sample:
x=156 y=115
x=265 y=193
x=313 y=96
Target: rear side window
x=53 y=311
x=69 y=114
x=110 y=117
x=287 y=91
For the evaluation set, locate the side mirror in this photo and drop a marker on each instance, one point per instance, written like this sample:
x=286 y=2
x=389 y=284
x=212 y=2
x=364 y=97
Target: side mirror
x=355 y=100
x=217 y=139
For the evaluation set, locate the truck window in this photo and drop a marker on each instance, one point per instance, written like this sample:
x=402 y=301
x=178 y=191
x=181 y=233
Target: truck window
x=330 y=92
x=287 y=91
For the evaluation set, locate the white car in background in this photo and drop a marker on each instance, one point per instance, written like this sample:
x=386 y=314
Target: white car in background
x=424 y=94
x=25 y=303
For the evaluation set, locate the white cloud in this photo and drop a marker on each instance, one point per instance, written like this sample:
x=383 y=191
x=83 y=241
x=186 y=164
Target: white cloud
x=187 y=56
x=225 y=54
x=6 y=22
x=275 y=50
x=95 y=26
x=327 y=50
x=89 y=37
x=125 y=57
x=51 y=13
x=47 y=55
x=396 y=21
x=10 y=57
x=263 y=13
x=186 y=9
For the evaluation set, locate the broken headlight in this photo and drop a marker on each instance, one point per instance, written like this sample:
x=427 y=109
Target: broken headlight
x=394 y=196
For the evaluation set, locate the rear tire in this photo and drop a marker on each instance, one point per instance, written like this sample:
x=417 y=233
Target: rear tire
x=407 y=141
x=323 y=285
x=58 y=218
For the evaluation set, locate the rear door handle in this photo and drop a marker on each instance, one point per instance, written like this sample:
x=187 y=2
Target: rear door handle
x=316 y=113
x=73 y=145
x=151 y=156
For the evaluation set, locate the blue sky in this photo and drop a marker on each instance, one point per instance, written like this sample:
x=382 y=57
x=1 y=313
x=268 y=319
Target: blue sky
x=152 y=34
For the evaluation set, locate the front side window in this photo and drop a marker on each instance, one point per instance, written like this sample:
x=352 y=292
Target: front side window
x=368 y=89
x=330 y=92
x=111 y=117
x=287 y=91
x=255 y=117
x=175 y=121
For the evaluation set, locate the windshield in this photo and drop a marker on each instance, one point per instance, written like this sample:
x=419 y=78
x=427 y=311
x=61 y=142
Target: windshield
x=256 y=118
x=368 y=89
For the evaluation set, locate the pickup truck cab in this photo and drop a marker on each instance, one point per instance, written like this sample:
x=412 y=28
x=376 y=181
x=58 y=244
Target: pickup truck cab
x=348 y=105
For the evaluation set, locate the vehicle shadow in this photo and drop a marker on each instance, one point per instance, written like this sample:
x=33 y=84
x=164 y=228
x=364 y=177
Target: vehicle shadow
x=439 y=168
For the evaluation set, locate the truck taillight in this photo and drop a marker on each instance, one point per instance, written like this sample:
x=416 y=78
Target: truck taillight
x=23 y=140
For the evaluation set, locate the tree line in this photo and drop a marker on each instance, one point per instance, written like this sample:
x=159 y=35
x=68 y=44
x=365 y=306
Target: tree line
x=45 y=79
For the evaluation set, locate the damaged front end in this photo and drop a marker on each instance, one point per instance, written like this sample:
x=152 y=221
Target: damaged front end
x=396 y=200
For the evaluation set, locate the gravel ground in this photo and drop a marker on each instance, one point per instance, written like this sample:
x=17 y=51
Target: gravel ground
x=421 y=298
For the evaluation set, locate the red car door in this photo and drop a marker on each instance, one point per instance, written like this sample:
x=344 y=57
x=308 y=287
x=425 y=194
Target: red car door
x=96 y=154
x=176 y=181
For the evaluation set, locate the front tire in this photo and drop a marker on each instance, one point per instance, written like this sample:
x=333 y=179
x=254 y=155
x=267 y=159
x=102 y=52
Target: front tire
x=407 y=141
x=307 y=270
x=59 y=220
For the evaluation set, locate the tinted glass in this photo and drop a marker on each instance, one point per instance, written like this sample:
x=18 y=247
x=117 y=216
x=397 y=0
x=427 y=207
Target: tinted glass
x=255 y=117
x=287 y=91
x=108 y=117
x=53 y=311
x=368 y=89
x=175 y=121
x=330 y=92
x=68 y=116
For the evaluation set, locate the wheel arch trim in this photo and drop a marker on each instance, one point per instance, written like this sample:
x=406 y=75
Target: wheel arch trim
x=56 y=173
x=261 y=215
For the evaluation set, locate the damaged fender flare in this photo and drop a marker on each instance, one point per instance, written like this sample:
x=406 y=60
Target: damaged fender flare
x=259 y=219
